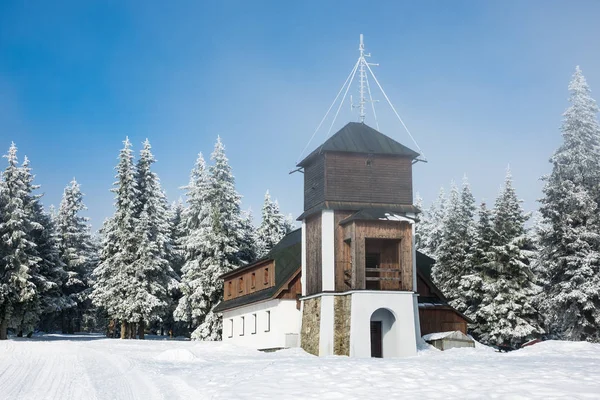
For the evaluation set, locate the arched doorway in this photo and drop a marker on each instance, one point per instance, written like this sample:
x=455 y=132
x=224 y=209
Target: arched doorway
x=383 y=334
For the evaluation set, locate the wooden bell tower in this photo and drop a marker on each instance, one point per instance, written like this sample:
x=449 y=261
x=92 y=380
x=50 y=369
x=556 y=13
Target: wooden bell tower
x=359 y=278
x=357 y=240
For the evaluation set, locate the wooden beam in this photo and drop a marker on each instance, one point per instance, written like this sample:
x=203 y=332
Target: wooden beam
x=383 y=270
x=377 y=278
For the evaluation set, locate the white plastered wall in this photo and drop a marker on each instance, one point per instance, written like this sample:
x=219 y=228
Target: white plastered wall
x=326 y=326
x=418 y=337
x=284 y=329
x=328 y=249
x=402 y=342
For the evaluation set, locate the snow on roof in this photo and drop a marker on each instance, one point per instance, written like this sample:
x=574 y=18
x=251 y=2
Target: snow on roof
x=396 y=217
x=445 y=335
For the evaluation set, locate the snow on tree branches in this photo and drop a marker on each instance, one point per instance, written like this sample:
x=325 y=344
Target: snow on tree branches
x=222 y=243
x=458 y=236
x=506 y=314
x=78 y=254
x=570 y=235
x=131 y=282
x=19 y=258
x=219 y=238
x=272 y=228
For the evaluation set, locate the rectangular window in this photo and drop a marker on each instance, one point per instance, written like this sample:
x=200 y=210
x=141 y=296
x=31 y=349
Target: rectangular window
x=229 y=288
x=268 y=325
x=253 y=324
x=266 y=276
x=253 y=280
x=231 y=328
x=242 y=327
x=241 y=284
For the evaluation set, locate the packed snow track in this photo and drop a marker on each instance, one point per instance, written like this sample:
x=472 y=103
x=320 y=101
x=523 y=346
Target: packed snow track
x=90 y=367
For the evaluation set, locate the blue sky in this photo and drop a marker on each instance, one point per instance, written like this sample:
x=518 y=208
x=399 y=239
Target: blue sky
x=480 y=84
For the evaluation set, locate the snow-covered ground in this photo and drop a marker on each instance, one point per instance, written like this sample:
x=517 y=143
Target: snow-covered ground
x=88 y=367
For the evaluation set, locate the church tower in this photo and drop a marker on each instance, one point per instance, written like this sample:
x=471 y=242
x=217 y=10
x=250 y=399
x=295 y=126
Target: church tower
x=358 y=254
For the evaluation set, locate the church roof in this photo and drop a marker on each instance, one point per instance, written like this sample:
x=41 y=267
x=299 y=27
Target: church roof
x=357 y=137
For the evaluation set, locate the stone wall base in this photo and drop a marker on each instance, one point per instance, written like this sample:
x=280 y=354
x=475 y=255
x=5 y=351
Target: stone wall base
x=311 y=323
x=341 y=328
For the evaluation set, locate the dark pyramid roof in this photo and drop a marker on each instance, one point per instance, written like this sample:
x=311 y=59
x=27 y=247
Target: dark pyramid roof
x=357 y=137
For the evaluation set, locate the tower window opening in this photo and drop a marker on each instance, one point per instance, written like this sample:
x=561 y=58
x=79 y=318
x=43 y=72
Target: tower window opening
x=372 y=261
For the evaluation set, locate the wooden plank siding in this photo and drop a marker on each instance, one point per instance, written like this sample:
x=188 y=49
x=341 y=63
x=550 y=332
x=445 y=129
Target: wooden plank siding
x=343 y=259
x=260 y=271
x=314 y=182
x=292 y=290
x=441 y=320
x=314 y=276
x=423 y=288
x=352 y=177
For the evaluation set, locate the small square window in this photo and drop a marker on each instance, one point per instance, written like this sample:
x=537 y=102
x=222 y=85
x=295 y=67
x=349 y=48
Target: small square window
x=253 y=280
x=241 y=284
x=266 y=278
x=231 y=328
x=253 y=324
x=229 y=288
x=242 y=327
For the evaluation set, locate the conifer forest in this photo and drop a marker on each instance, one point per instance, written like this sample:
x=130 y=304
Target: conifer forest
x=154 y=267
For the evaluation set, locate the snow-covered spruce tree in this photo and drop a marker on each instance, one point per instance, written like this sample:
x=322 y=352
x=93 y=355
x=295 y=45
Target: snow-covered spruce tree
x=18 y=251
x=176 y=257
x=480 y=256
x=536 y=232
x=77 y=252
x=51 y=274
x=196 y=220
x=115 y=277
x=468 y=210
x=248 y=241
x=272 y=227
x=48 y=273
x=506 y=315
x=150 y=296
x=178 y=233
x=289 y=224
x=570 y=246
x=432 y=226
x=222 y=242
x=458 y=237
x=451 y=253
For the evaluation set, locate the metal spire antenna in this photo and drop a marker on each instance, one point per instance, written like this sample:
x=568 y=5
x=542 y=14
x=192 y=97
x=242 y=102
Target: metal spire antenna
x=363 y=82
x=363 y=76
